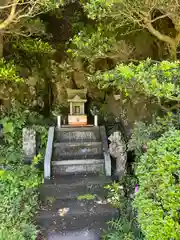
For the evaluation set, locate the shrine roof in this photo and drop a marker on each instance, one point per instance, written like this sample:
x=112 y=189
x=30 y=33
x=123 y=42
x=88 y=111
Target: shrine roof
x=79 y=94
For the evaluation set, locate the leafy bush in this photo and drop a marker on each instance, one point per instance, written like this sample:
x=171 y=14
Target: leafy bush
x=13 y=123
x=18 y=182
x=143 y=132
x=157 y=200
x=158 y=82
x=18 y=199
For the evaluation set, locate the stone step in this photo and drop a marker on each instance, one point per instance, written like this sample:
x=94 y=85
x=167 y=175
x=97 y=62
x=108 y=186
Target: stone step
x=85 y=234
x=71 y=215
x=49 y=192
x=77 y=150
x=72 y=186
x=79 y=180
x=66 y=167
x=77 y=134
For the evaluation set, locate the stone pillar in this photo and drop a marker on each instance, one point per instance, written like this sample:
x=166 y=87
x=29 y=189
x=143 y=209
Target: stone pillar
x=83 y=109
x=71 y=108
x=29 y=144
x=59 y=121
x=96 y=120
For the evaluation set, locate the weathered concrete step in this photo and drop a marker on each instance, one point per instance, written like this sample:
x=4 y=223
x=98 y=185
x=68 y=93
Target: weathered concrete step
x=77 y=134
x=71 y=188
x=67 y=215
x=77 y=150
x=86 y=234
x=97 y=224
x=79 y=180
x=81 y=128
x=66 y=167
x=49 y=192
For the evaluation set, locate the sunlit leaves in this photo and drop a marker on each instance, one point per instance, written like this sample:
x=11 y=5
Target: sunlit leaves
x=160 y=80
x=9 y=71
x=92 y=45
x=34 y=46
x=98 y=9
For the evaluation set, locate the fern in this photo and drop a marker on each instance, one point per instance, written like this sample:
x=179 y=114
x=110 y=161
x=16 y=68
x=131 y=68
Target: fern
x=122 y=229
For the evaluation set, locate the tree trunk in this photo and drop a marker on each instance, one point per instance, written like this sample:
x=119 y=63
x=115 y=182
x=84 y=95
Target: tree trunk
x=1 y=45
x=173 y=51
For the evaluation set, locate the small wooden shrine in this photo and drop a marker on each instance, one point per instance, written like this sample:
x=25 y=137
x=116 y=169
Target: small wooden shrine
x=77 y=99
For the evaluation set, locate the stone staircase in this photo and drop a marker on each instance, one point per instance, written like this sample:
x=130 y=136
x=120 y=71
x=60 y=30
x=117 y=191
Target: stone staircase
x=74 y=198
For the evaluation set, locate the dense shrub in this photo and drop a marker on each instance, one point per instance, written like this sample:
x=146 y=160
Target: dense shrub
x=18 y=182
x=157 y=201
x=144 y=132
x=18 y=199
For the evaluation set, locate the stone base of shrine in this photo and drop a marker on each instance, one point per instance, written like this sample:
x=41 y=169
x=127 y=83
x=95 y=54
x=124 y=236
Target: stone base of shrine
x=77 y=120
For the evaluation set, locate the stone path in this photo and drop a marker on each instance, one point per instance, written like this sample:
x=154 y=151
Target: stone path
x=74 y=204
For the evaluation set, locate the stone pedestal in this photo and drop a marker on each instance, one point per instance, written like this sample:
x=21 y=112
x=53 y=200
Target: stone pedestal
x=77 y=120
x=29 y=144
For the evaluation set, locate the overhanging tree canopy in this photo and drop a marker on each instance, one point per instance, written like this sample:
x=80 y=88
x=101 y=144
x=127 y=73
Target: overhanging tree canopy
x=12 y=11
x=140 y=13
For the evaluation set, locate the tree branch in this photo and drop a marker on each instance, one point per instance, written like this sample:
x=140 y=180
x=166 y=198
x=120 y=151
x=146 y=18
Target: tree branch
x=176 y=106
x=30 y=11
x=160 y=17
x=10 y=5
x=156 y=33
x=11 y=16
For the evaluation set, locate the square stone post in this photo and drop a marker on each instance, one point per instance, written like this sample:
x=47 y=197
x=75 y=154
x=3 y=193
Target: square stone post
x=29 y=144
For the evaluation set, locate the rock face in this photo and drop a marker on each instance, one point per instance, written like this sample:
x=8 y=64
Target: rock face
x=117 y=149
x=74 y=204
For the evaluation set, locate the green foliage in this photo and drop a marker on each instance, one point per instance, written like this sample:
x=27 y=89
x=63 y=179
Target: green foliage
x=123 y=229
x=19 y=182
x=159 y=80
x=128 y=16
x=157 y=200
x=18 y=199
x=120 y=195
x=12 y=127
x=34 y=46
x=144 y=132
x=28 y=11
x=92 y=43
x=98 y=9
x=15 y=120
x=42 y=133
x=115 y=194
x=9 y=71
